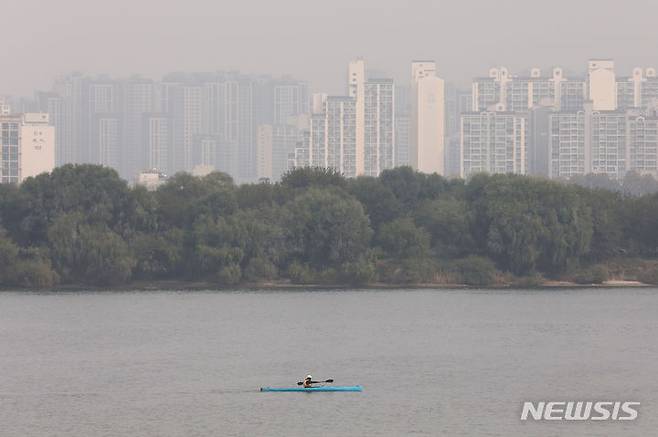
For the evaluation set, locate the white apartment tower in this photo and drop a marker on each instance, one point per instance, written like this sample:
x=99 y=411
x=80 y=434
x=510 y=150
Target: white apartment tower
x=331 y=139
x=604 y=142
x=643 y=144
x=426 y=148
x=379 y=126
x=264 y=142
x=156 y=140
x=493 y=142
x=602 y=85
x=568 y=136
x=356 y=89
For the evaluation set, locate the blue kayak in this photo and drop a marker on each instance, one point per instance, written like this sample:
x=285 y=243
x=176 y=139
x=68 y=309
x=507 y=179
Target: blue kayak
x=311 y=389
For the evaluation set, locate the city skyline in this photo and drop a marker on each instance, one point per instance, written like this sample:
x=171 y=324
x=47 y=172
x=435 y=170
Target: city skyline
x=538 y=121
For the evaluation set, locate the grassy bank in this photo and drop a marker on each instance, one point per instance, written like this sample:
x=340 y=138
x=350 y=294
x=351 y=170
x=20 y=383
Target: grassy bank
x=617 y=273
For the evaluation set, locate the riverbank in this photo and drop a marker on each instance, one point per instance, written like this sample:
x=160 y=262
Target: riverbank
x=616 y=273
x=147 y=286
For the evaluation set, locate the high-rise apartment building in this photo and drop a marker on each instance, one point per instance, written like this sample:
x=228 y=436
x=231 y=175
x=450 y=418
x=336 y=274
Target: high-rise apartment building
x=139 y=98
x=426 y=147
x=341 y=135
x=185 y=109
x=402 y=124
x=101 y=113
x=537 y=140
x=290 y=99
x=156 y=142
x=642 y=152
x=566 y=145
x=608 y=144
x=604 y=142
x=379 y=126
x=331 y=139
x=602 y=84
x=264 y=143
x=573 y=94
x=285 y=137
x=107 y=134
x=493 y=142
x=205 y=151
x=458 y=102
x=356 y=77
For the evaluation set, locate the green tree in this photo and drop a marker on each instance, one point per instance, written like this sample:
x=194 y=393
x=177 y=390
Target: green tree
x=27 y=268
x=185 y=197
x=307 y=177
x=637 y=223
x=524 y=223
x=448 y=222
x=90 y=254
x=97 y=192
x=378 y=200
x=158 y=256
x=401 y=238
x=404 y=183
x=326 y=229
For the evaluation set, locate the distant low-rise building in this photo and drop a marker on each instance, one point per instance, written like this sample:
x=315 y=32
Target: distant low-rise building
x=151 y=179
x=27 y=142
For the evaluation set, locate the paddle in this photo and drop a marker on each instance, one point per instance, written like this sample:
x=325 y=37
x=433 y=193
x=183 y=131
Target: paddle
x=315 y=382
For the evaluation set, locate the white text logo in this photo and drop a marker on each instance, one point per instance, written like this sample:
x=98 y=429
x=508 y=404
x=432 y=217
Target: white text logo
x=580 y=410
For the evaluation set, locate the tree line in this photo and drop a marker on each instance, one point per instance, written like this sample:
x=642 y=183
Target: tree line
x=83 y=225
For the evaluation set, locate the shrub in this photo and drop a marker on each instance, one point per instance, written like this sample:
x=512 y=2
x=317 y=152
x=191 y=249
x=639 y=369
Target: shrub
x=529 y=281
x=229 y=274
x=300 y=273
x=360 y=272
x=408 y=271
x=594 y=275
x=649 y=276
x=475 y=271
x=35 y=274
x=259 y=269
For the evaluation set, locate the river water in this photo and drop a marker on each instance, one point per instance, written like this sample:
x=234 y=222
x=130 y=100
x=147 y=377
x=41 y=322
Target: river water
x=432 y=362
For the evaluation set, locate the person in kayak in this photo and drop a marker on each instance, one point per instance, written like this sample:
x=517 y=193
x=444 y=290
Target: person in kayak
x=308 y=381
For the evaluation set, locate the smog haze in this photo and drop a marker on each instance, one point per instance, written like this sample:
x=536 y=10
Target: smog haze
x=314 y=40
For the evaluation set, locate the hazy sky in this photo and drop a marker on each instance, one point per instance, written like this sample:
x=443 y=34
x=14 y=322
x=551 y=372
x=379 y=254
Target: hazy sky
x=314 y=40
